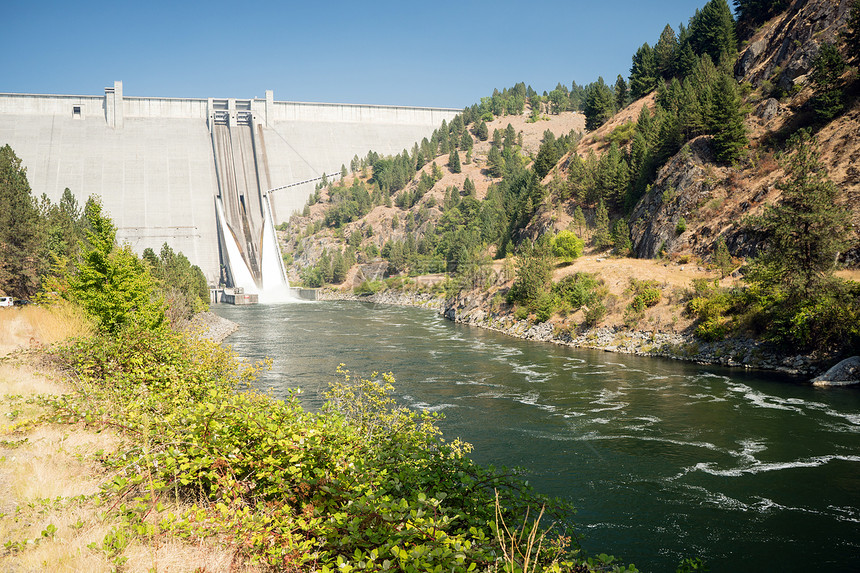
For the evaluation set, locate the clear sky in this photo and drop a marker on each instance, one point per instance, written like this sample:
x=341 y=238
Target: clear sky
x=409 y=52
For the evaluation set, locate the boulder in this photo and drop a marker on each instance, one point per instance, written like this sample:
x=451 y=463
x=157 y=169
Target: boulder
x=845 y=373
x=768 y=109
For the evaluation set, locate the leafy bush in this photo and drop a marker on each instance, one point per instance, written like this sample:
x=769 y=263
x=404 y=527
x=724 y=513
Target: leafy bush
x=715 y=309
x=369 y=287
x=594 y=315
x=578 y=290
x=363 y=484
x=645 y=295
x=567 y=246
x=544 y=306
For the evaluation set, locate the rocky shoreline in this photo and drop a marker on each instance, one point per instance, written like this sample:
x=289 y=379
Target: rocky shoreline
x=735 y=352
x=210 y=326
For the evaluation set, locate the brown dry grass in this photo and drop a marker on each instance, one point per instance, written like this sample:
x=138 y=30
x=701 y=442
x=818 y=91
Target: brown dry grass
x=50 y=474
x=41 y=325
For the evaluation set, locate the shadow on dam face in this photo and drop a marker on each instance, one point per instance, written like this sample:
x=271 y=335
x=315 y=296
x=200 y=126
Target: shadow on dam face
x=154 y=163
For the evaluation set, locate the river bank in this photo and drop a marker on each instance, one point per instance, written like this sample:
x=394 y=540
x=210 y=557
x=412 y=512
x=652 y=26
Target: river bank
x=732 y=352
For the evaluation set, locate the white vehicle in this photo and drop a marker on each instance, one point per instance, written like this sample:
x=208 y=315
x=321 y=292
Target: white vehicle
x=6 y=301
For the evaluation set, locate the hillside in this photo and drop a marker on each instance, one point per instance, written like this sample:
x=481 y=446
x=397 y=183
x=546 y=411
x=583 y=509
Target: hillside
x=682 y=191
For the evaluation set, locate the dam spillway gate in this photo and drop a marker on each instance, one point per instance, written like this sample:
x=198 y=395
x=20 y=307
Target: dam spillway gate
x=247 y=241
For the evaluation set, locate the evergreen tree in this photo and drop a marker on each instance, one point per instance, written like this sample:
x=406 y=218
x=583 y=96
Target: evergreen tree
x=827 y=67
x=691 y=115
x=579 y=221
x=466 y=141
x=727 y=123
x=665 y=53
x=469 y=187
x=548 y=155
x=851 y=34
x=454 y=162
x=686 y=61
x=804 y=304
x=339 y=268
x=621 y=243
x=752 y=13
x=20 y=237
x=807 y=229
x=643 y=72
x=620 y=93
x=482 y=132
x=601 y=237
x=712 y=31
x=599 y=104
x=495 y=162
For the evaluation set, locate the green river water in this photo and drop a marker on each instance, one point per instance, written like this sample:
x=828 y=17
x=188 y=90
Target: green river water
x=663 y=459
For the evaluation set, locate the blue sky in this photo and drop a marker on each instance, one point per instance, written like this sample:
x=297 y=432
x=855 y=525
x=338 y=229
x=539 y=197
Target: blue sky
x=442 y=53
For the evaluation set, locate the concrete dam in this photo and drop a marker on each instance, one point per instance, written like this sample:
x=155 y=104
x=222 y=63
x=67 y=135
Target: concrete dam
x=196 y=173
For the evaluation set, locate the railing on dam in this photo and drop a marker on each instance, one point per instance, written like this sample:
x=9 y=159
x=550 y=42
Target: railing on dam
x=115 y=106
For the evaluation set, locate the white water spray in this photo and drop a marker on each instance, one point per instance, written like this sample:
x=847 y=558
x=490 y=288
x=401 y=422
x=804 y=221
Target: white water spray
x=239 y=270
x=276 y=287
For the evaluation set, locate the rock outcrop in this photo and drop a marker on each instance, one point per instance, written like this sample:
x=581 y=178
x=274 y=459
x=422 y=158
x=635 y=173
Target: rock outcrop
x=783 y=50
x=682 y=184
x=846 y=373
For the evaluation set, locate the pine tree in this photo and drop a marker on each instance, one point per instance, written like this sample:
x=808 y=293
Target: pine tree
x=454 y=162
x=338 y=268
x=686 y=61
x=495 y=162
x=807 y=229
x=599 y=104
x=482 y=132
x=643 y=72
x=620 y=93
x=827 y=67
x=601 y=237
x=804 y=304
x=665 y=53
x=712 y=31
x=466 y=141
x=621 y=243
x=851 y=34
x=469 y=187
x=20 y=240
x=727 y=122
x=753 y=13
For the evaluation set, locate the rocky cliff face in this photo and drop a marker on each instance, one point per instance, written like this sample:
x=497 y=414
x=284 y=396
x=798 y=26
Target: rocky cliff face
x=783 y=49
x=682 y=185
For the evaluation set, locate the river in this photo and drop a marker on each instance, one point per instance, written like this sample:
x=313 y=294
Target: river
x=663 y=459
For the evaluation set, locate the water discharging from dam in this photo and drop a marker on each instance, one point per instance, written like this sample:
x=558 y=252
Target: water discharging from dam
x=248 y=242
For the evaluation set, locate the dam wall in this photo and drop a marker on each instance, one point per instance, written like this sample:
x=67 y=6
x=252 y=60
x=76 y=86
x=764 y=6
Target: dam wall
x=151 y=159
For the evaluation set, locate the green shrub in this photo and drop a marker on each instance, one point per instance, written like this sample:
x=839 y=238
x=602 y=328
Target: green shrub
x=362 y=484
x=544 y=307
x=645 y=295
x=578 y=290
x=369 y=287
x=567 y=246
x=594 y=315
x=681 y=226
x=521 y=312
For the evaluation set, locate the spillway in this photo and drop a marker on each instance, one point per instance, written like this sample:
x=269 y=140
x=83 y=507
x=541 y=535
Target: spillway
x=247 y=230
